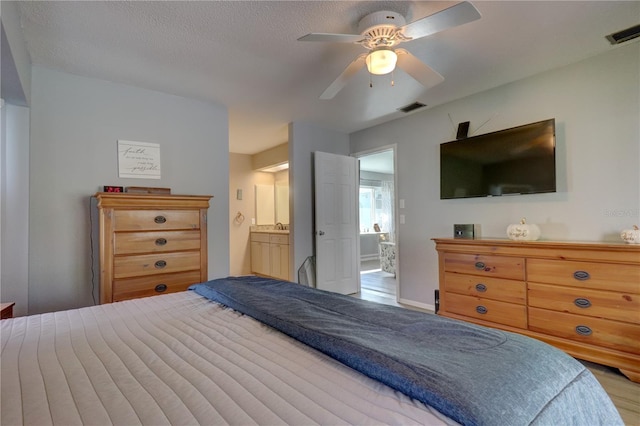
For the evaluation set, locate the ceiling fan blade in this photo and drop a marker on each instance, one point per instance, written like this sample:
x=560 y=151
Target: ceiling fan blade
x=335 y=38
x=342 y=79
x=417 y=69
x=458 y=14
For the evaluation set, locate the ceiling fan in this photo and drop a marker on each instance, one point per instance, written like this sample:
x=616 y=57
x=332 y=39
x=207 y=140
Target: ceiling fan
x=380 y=33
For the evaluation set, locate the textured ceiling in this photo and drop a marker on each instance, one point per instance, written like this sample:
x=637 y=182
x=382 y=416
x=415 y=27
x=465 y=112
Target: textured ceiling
x=244 y=54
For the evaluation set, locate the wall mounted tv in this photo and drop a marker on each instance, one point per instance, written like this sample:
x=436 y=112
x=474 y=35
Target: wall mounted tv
x=520 y=160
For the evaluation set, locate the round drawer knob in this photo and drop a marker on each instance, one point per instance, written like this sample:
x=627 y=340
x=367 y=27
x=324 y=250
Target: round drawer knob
x=160 y=264
x=581 y=275
x=161 y=241
x=481 y=309
x=160 y=219
x=581 y=302
x=480 y=265
x=481 y=288
x=583 y=330
x=160 y=288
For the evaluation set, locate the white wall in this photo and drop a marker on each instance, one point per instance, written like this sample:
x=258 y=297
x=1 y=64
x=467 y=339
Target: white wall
x=14 y=207
x=596 y=104
x=16 y=63
x=304 y=140
x=240 y=177
x=75 y=125
x=14 y=160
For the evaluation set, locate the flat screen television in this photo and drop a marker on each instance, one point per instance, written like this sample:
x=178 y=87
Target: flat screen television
x=520 y=160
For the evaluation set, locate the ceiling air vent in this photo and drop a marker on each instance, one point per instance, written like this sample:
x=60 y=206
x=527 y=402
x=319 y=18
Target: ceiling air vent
x=412 y=107
x=624 y=35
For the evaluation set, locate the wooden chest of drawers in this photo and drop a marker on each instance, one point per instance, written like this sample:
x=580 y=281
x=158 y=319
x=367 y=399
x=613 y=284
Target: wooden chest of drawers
x=583 y=298
x=150 y=244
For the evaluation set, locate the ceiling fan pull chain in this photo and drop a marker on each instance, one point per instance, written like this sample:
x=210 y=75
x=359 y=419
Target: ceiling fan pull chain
x=370 y=81
x=392 y=82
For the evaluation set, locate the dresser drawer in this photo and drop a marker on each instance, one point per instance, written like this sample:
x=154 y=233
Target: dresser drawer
x=486 y=287
x=155 y=241
x=487 y=310
x=496 y=266
x=596 y=331
x=139 y=220
x=581 y=301
x=613 y=277
x=131 y=288
x=161 y=263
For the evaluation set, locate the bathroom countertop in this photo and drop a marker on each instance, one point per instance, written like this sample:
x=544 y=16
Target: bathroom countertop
x=271 y=231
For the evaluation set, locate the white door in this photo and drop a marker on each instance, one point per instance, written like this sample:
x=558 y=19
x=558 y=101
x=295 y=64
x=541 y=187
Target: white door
x=336 y=223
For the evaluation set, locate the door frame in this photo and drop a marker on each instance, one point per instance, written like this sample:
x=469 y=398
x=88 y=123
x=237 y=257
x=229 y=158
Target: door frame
x=391 y=147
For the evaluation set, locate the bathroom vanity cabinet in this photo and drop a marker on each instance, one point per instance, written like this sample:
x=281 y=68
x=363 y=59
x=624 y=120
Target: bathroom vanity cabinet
x=270 y=254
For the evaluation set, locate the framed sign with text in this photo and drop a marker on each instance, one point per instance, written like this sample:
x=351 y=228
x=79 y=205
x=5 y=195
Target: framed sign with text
x=138 y=160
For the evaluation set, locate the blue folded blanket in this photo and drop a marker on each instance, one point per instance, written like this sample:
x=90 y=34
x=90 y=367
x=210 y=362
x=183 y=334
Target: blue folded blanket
x=472 y=374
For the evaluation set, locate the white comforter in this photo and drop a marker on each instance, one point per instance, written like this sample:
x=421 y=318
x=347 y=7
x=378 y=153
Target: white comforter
x=180 y=359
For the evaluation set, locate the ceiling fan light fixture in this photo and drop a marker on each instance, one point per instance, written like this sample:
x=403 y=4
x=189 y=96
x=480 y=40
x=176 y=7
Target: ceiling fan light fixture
x=381 y=61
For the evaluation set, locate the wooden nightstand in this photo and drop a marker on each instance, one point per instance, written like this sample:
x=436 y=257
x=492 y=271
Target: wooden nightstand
x=6 y=310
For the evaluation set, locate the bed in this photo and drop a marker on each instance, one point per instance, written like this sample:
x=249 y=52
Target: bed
x=249 y=350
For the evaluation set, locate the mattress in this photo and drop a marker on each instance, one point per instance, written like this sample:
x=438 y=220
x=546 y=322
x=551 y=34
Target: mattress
x=181 y=359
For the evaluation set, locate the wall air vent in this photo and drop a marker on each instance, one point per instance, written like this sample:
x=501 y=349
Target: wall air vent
x=624 y=35
x=412 y=107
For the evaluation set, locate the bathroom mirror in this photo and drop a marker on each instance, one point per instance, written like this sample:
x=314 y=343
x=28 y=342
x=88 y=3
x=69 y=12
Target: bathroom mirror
x=265 y=205
x=282 y=202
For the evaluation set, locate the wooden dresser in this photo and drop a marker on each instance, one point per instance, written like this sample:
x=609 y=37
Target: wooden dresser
x=583 y=298
x=150 y=244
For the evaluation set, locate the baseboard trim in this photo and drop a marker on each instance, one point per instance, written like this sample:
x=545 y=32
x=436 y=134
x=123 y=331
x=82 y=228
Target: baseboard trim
x=369 y=257
x=425 y=306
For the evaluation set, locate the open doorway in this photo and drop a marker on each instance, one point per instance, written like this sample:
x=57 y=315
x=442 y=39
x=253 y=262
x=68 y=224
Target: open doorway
x=378 y=254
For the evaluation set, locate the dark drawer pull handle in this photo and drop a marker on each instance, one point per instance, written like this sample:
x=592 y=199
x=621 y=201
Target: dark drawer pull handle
x=583 y=330
x=481 y=309
x=160 y=219
x=161 y=241
x=480 y=265
x=161 y=264
x=161 y=287
x=581 y=275
x=481 y=288
x=582 y=302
